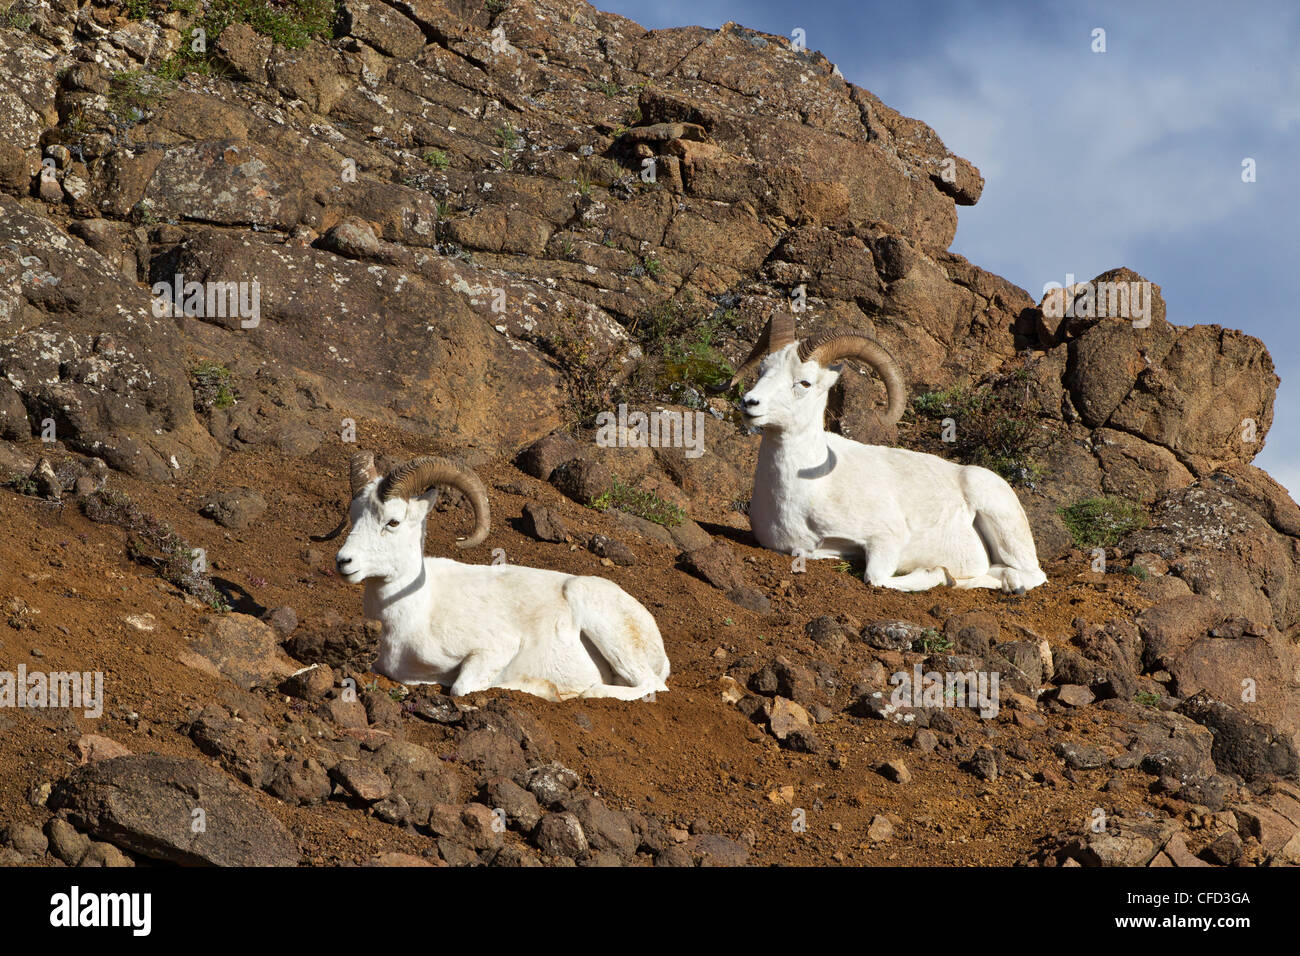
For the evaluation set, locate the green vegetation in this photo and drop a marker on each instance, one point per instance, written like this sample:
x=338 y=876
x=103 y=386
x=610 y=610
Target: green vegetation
x=1147 y=698
x=991 y=427
x=437 y=158
x=1102 y=522
x=643 y=504
x=23 y=484
x=134 y=93
x=13 y=13
x=137 y=9
x=153 y=542
x=653 y=267
x=932 y=642
x=680 y=342
x=1137 y=571
x=583 y=182
x=608 y=87
x=591 y=367
x=290 y=23
x=507 y=137
x=212 y=386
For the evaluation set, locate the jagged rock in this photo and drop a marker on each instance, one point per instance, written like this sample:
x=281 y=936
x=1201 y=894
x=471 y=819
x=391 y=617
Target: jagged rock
x=242 y=649
x=234 y=509
x=544 y=524
x=147 y=804
x=1247 y=747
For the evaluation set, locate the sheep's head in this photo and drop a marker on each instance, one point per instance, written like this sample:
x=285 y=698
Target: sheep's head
x=795 y=377
x=388 y=513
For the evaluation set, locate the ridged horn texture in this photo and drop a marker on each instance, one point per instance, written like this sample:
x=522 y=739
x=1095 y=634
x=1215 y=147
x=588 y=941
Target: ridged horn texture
x=777 y=334
x=418 y=476
x=827 y=347
x=362 y=471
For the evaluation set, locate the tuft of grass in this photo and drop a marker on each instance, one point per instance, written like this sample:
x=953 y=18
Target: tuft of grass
x=437 y=158
x=583 y=182
x=212 y=386
x=608 y=87
x=1102 y=522
x=1137 y=571
x=652 y=266
x=153 y=542
x=133 y=94
x=507 y=137
x=137 y=9
x=1147 y=698
x=643 y=504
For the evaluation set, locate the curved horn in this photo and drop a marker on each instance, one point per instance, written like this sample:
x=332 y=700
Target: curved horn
x=777 y=334
x=418 y=476
x=825 y=347
x=362 y=471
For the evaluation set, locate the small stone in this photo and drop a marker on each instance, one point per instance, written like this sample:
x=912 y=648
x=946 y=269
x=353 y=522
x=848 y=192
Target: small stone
x=560 y=834
x=880 y=829
x=894 y=770
x=1074 y=695
x=984 y=764
x=27 y=840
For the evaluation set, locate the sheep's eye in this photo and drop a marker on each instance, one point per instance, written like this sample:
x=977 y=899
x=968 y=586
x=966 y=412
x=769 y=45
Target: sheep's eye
x=394 y=523
x=806 y=384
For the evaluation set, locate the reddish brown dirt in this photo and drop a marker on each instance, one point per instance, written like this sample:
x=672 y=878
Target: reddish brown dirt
x=687 y=756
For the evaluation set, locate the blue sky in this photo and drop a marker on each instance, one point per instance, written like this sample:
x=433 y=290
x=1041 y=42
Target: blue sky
x=1130 y=157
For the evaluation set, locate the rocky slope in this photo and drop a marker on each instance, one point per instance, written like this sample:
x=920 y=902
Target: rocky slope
x=470 y=228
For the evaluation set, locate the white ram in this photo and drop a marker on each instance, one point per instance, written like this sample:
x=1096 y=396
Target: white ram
x=920 y=520
x=471 y=626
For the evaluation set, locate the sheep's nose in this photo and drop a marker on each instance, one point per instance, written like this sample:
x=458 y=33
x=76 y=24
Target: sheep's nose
x=749 y=402
x=341 y=562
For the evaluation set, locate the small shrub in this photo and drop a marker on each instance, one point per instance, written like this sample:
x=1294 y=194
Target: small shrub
x=507 y=137
x=1147 y=698
x=679 y=342
x=1102 y=522
x=643 y=504
x=437 y=158
x=993 y=427
x=291 y=23
x=212 y=386
x=591 y=368
x=134 y=93
x=23 y=484
x=153 y=542
x=13 y=13
x=932 y=642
